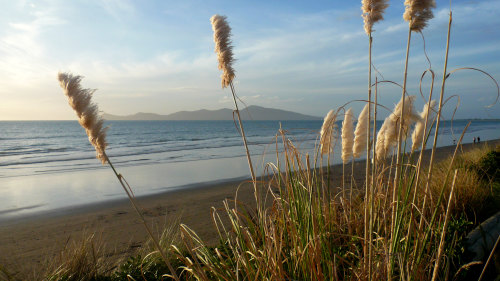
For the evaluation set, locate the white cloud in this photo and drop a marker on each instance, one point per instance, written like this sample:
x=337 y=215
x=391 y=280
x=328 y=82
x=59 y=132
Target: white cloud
x=396 y=28
x=480 y=12
x=295 y=58
x=22 y=49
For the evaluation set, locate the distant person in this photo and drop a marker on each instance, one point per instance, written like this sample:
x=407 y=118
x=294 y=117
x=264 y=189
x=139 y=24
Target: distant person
x=474 y=139
x=478 y=139
x=454 y=141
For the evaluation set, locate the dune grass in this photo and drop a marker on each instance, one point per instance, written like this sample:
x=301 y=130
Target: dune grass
x=309 y=232
x=399 y=228
x=406 y=220
x=83 y=260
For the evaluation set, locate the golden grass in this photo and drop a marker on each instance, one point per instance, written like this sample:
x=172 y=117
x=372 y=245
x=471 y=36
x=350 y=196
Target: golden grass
x=418 y=134
x=471 y=192
x=395 y=229
x=418 y=13
x=327 y=132
x=360 y=133
x=80 y=100
x=347 y=136
x=223 y=48
x=80 y=260
x=373 y=11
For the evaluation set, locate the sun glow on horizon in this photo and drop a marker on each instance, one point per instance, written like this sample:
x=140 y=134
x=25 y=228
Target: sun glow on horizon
x=158 y=57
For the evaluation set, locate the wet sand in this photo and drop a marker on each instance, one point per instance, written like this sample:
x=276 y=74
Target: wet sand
x=29 y=244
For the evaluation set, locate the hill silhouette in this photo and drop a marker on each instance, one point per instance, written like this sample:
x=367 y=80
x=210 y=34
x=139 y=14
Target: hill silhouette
x=252 y=112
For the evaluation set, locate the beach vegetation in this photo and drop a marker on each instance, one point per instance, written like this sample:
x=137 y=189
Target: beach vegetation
x=80 y=260
x=80 y=99
x=309 y=233
x=5 y=274
x=405 y=218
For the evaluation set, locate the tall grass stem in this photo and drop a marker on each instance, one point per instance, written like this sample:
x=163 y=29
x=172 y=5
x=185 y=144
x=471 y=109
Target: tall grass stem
x=368 y=193
x=131 y=197
x=420 y=159
x=394 y=203
x=242 y=131
x=445 y=225
x=438 y=121
x=489 y=258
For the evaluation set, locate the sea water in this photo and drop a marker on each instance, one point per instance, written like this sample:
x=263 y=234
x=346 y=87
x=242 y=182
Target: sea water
x=46 y=165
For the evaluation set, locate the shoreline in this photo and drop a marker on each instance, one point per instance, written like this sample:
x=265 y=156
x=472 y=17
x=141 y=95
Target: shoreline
x=109 y=203
x=160 y=192
x=33 y=240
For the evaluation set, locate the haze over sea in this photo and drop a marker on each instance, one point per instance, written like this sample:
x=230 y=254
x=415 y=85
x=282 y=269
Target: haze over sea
x=49 y=165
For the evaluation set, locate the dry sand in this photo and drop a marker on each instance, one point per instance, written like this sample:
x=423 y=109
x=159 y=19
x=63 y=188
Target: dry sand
x=29 y=245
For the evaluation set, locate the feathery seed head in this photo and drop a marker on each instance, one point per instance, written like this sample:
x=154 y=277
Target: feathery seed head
x=417 y=136
x=418 y=12
x=327 y=132
x=409 y=117
x=373 y=11
x=360 y=135
x=88 y=112
x=388 y=133
x=347 y=136
x=223 y=48
x=380 y=147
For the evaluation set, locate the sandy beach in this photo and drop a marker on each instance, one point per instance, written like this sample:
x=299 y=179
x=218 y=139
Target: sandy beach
x=29 y=244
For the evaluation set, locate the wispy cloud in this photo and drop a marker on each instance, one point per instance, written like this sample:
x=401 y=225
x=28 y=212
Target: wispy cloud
x=396 y=28
x=479 y=12
x=158 y=56
x=120 y=10
x=22 y=48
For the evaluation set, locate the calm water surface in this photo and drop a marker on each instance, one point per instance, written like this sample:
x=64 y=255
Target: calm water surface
x=46 y=165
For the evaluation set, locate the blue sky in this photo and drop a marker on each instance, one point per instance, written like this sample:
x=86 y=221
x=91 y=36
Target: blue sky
x=157 y=56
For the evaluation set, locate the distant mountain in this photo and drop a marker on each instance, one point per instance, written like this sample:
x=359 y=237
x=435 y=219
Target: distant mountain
x=252 y=112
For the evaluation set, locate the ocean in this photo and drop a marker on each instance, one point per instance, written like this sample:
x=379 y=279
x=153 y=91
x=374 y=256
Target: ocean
x=48 y=165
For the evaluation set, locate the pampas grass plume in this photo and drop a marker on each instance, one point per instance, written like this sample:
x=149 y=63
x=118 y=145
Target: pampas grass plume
x=388 y=134
x=223 y=48
x=373 y=11
x=360 y=133
x=347 y=136
x=88 y=112
x=380 y=147
x=326 y=133
x=418 y=133
x=409 y=117
x=418 y=12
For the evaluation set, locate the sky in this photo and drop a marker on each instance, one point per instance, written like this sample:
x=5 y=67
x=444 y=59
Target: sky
x=303 y=56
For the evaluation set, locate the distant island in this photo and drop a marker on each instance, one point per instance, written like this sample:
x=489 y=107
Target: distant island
x=252 y=112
